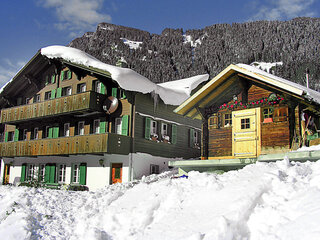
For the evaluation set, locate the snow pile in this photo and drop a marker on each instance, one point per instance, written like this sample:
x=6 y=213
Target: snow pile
x=132 y=44
x=262 y=201
x=125 y=77
x=311 y=94
x=266 y=66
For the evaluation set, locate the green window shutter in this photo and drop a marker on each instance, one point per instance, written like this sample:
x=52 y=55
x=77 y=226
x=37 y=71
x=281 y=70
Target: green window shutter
x=47 y=80
x=55 y=132
x=47 y=174
x=6 y=137
x=83 y=173
x=103 y=88
x=125 y=125
x=52 y=174
x=59 y=90
x=147 y=128
x=69 y=74
x=62 y=76
x=102 y=127
x=114 y=92
x=174 y=134
x=191 y=133
x=53 y=78
x=16 y=135
x=123 y=95
x=23 y=173
x=53 y=93
x=50 y=132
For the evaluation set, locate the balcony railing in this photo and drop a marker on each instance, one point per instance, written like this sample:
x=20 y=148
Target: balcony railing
x=87 y=101
x=86 y=144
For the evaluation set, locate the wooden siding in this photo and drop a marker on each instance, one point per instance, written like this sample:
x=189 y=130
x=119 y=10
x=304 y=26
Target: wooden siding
x=87 y=144
x=275 y=136
x=78 y=102
x=220 y=142
x=255 y=93
x=163 y=113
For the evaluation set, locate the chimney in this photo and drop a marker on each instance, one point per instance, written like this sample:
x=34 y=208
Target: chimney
x=307 y=77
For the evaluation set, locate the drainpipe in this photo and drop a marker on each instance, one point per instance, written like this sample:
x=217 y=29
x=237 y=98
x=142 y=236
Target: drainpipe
x=307 y=77
x=132 y=139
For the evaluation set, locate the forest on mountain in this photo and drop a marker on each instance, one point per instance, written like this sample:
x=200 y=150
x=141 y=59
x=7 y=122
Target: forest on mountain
x=176 y=54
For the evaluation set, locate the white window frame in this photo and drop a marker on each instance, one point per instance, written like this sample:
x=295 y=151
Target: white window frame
x=66 y=129
x=118 y=123
x=164 y=129
x=31 y=172
x=81 y=130
x=76 y=173
x=62 y=173
x=195 y=137
x=153 y=127
x=42 y=168
x=25 y=134
x=36 y=133
x=96 y=126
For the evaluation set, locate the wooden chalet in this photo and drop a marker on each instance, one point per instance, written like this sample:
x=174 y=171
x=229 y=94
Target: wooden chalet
x=64 y=122
x=247 y=113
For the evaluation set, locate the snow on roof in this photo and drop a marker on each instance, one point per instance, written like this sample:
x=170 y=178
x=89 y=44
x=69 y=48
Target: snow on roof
x=310 y=94
x=173 y=94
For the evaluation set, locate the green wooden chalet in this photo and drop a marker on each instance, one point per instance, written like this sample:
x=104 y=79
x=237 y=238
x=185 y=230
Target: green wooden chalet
x=67 y=118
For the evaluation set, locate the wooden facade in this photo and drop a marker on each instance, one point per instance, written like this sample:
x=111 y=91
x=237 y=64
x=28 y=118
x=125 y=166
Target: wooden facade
x=247 y=113
x=55 y=109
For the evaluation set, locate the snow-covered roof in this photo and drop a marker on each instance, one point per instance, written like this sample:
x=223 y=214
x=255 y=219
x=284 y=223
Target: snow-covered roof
x=307 y=92
x=173 y=94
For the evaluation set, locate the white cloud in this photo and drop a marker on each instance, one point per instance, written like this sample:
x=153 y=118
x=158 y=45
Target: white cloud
x=8 y=69
x=77 y=15
x=283 y=9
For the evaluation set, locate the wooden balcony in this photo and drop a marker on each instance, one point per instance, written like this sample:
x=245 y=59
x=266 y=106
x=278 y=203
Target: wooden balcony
x=81 y=102
x=87 y=144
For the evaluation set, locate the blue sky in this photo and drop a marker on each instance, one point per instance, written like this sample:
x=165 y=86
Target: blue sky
x=28 y=25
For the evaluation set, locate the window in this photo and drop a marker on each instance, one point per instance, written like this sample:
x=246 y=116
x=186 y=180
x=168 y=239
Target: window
x=154 y=169
x=36 y=133
x=62 y=173
x=96 y=126
x=10 y=136
x=153 y=129
x=31 y=173
x=164 y=129
x=47 y=80
x=47 y=95
x=97 y=86
x=245 y=123
x=27 y=100
x=227 y=119
x=47 y=130
x=36 y=98
x=81 y=128
x=25 y=134
x=76 y=173
x=41 y=172
x=195 y=137
x=67 y=91
x=66 y=129
x=118 y=125
x=267 y=113
x=81 y=88
x=53 y=78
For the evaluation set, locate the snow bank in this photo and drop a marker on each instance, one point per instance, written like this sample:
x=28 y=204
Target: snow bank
x=127 y=78
x=262 y=201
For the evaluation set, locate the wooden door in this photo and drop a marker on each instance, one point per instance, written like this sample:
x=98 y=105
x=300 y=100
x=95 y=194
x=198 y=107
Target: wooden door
x=6 y=174
x=116 y=173
x=246 y=133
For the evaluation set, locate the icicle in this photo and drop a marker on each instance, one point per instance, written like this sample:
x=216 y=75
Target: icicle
x=155 y=100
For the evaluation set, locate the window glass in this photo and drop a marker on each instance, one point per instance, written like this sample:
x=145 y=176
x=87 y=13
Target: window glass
x=154 y=169
x=153 y=129
x=118 y=125
x=47 y=95
x=268 y=113
x=164 y=129
x=36 y=133
x=76 y=173
x=67 y=91
x=24 y=136
x=41 y=172
x=31 y=173
x=81 y=128
x=245 y=123
x=227 y=119
x=82 y=87
x=66 y=130
x=96 y=126
x=10 y=136
x=62 y=173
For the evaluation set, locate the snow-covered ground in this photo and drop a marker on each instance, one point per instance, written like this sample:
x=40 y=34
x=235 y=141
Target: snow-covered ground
x=262 y=201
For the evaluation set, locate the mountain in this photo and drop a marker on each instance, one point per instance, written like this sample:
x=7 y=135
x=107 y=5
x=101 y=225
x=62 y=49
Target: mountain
x=175 y=54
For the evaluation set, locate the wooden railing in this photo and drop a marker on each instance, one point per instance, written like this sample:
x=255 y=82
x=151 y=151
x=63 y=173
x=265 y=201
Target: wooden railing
x=74 y=103
x=87 y=144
